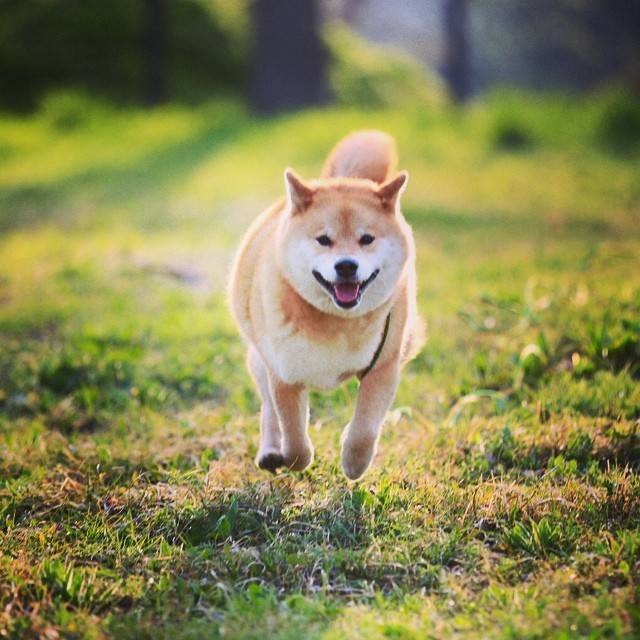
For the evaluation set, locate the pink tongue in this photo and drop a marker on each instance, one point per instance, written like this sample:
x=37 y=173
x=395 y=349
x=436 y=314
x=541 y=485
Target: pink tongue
x=346 y=291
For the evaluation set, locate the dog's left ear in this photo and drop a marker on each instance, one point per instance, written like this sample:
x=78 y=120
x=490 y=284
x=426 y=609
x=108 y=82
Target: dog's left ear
x=299 y=193
x=390 y=191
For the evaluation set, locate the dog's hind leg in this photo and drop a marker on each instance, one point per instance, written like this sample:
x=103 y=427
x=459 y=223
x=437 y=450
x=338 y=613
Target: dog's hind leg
x=360 y=437
x=292 y=405
x=270 y=453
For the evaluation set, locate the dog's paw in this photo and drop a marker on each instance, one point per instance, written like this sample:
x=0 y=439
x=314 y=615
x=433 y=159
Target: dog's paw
x=270 y=461
x=299 y=459
x=357 y=459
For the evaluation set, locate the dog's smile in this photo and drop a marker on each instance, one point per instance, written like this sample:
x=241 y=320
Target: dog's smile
x=346 y=293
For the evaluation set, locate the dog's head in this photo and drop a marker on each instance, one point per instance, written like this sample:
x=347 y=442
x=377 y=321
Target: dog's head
x=342 y=243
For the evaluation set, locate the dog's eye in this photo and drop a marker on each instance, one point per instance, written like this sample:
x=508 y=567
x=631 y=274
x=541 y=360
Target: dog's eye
x=324 y=240
x=366 y=239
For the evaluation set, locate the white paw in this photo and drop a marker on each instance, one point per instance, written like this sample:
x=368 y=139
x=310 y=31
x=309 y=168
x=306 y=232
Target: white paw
x=298 y=459
x=356 y=458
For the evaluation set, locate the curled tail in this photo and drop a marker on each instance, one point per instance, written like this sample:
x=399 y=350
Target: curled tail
x=362 y=154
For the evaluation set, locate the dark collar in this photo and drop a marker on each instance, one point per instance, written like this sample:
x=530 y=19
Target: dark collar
x=376 y=355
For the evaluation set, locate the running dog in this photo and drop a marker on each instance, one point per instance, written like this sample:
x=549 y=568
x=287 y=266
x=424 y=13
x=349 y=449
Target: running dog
x=323 y=288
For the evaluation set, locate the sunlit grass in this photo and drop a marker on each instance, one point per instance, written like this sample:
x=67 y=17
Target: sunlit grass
x=505 y=501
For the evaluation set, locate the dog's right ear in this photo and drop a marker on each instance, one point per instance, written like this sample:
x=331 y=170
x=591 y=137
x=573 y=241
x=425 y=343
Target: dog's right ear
x=299 y=193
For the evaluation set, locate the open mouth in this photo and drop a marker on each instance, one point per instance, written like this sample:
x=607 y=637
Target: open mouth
x=346 y=293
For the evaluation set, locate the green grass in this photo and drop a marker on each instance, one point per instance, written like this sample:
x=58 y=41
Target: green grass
x=505 y=501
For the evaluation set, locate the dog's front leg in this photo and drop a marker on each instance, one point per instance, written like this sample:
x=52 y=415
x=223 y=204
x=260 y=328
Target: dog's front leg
x=292 y=405
x=270 y=453
x=360 y=437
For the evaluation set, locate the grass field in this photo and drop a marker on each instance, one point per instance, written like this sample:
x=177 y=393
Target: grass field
x=505 y=500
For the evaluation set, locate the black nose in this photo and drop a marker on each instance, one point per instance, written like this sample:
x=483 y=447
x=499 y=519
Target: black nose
x=346 y=268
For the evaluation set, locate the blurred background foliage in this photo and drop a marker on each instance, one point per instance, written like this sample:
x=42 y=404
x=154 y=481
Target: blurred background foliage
x=372 y=53
x=101 y=47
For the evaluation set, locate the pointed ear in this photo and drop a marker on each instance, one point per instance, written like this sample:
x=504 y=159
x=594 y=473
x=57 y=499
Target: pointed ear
x=299 y=193
x=389 y=192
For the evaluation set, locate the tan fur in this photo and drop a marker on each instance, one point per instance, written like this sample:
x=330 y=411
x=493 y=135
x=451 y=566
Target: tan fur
x=362 y=154
x=299 y=336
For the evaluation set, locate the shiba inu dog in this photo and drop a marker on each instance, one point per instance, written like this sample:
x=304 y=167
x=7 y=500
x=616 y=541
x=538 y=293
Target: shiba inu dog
x=323 y=288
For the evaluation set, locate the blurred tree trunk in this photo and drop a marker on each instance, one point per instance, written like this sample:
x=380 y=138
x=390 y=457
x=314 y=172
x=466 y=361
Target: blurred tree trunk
x=155 y=51
x=456 y=48
x=289 y=59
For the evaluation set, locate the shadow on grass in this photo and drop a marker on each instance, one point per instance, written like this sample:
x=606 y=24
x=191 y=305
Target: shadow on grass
x=30 y=204
x=250 y=518
x=579 y=454
x=274 y=540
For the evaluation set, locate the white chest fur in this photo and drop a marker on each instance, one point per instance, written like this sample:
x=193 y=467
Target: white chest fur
x=322 y=364
x=301 y=347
